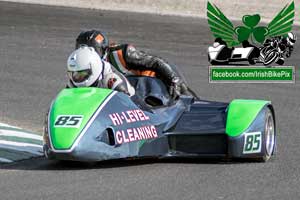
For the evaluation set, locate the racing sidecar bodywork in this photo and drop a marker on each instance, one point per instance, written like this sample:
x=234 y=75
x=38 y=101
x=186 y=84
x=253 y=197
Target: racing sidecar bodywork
x=93 y=124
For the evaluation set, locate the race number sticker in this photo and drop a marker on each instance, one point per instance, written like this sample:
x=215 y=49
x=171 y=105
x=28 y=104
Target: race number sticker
x=252 y=142
x=68 y=121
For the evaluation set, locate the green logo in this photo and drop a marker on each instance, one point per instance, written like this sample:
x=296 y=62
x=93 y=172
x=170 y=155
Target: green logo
x=221 y=26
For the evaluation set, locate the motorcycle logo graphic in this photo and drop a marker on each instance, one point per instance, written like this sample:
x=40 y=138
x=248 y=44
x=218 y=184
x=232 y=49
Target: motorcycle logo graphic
x=260 y=44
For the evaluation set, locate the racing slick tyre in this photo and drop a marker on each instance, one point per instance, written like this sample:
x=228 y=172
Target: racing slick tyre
x=269 y=137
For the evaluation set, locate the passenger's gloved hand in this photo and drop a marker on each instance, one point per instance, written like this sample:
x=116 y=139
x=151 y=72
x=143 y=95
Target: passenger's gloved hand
x=177 y=87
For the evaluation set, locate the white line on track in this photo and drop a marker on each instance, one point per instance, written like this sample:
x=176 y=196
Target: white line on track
x=25 y=147
x=9 y=126
x=20 y=134
x=4 y=160
x=22 y=147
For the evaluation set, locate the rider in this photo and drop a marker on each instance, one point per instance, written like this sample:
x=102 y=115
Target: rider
x=130 y=61
x=86 y=69
x=282 y=42
x=290 y=42
x=284 y=45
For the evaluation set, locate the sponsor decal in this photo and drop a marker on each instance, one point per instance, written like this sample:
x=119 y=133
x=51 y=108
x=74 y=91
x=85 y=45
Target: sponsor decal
x=128 y=116
x=136 y=134
x=252 y=142
x=133 y=133
x=68 y=121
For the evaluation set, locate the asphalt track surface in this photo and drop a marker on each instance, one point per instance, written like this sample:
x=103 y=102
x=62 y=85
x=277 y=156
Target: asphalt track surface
x=35 y=42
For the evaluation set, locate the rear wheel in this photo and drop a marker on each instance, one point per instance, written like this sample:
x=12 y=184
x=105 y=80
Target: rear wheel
x=269 y=140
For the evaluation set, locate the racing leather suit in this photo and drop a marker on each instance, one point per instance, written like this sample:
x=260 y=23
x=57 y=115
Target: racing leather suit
x=130 y=61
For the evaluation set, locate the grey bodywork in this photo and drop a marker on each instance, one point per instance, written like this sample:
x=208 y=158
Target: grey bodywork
x=185 y=127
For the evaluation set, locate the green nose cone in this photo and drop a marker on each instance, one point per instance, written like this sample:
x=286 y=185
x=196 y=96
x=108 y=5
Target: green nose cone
x=71 y=111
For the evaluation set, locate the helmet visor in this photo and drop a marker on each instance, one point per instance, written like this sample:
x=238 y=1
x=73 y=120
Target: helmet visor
x=80 y=76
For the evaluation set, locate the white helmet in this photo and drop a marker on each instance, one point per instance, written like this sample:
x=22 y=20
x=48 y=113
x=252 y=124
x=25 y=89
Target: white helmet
x=291 y=38
x=84 y=67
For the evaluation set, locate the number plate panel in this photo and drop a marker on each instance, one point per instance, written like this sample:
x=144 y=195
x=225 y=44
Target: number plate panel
x=252 y=142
